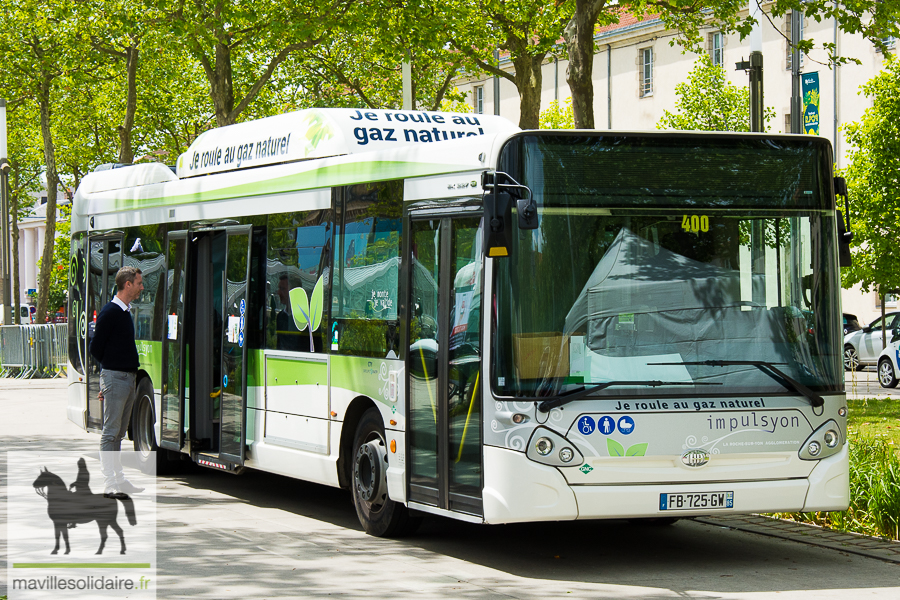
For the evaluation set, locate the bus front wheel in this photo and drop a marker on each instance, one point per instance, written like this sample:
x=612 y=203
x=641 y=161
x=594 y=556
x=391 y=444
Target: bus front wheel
x=379 y=515
x=151 y=458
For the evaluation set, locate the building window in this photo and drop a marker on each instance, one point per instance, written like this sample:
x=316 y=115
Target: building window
x=787 y=123
x=717 y=48
x=479 y=99
x=890 y=301
x=889 y=42
x=646 y=58
x=787 y=34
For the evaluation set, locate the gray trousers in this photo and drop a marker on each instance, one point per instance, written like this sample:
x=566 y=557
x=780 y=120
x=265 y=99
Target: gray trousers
x=118 y=389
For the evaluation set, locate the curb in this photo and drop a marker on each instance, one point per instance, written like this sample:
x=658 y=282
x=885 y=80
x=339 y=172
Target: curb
x=806 y=533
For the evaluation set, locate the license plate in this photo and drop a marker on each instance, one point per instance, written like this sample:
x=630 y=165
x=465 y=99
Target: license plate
x=696 y=501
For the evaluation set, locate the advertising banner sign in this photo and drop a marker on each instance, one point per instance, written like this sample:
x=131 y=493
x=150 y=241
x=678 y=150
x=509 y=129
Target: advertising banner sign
x=810 y=103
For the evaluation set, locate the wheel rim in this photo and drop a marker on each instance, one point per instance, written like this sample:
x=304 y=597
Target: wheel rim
x=145 y=427
x=886 y=374
x=369 y=475
x=851 y=360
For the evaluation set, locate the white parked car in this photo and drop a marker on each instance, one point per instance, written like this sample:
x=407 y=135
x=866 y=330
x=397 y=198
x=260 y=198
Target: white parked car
x=862 y=348
x=888 y=364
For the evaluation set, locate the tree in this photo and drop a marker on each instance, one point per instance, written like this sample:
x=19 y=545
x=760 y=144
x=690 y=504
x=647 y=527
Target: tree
x=58 y=292
x=36 y=50
x=708 y=102
x=872 y=173
x=361 y=64
x=27 y=163
x=240 y=45
x=529 y=30
x=558 y=117
x=874 y=19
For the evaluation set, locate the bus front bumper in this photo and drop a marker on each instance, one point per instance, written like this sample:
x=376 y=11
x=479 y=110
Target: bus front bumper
x=520 y=490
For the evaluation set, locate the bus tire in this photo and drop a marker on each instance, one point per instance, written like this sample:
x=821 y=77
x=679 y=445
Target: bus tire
x=143 y=435
x=379 y=515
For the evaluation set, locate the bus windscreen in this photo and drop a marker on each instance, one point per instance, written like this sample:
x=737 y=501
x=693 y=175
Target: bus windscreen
x=646 y=278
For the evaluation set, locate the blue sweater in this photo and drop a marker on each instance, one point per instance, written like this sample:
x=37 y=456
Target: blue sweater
x=113 y=344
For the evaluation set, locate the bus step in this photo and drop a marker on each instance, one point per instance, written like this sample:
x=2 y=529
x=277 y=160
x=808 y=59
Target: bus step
x=214 y=462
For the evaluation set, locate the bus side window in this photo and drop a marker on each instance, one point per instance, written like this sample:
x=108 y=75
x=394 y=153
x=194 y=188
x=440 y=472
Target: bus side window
x=299 y=247
x=365 y=295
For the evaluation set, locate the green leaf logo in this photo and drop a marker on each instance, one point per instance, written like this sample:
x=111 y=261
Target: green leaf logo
x=316 y=304
x=614 y=447
x=637 y=450
x=299 y=307
x=306 y=310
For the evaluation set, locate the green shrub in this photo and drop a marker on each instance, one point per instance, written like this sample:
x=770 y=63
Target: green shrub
x=874 y=492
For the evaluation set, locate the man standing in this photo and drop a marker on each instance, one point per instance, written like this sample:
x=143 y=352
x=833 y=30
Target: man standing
x=114 y=348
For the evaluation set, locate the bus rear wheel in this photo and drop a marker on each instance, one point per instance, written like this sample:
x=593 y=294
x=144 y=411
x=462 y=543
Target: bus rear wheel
x=379 y=515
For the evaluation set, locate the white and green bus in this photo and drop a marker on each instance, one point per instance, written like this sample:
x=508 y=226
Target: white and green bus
x=448 y=315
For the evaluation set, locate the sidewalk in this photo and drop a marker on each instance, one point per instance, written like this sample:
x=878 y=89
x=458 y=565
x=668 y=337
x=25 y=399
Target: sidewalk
x=806 y=533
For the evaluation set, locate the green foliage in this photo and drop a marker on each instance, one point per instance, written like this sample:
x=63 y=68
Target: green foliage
x=874 y=492
x=557 y=117
x=708 y=102
x=871 y=174
x=59 y=272
x=456 y=102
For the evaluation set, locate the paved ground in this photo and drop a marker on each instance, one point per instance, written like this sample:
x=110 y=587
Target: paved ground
x=265 y=536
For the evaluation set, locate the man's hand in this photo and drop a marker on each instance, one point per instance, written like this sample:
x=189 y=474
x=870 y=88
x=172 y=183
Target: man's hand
x=100 y=396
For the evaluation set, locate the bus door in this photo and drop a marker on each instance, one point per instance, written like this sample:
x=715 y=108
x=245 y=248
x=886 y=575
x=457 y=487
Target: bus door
x=175 y=348
x=104 y=261
x=219 y=271
x=444 y=363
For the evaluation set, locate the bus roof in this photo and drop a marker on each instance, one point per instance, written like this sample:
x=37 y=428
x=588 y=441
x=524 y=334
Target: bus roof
x=323 y=132
x=307 y=149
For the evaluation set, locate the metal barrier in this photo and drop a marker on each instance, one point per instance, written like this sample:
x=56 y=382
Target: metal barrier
x=33 y=351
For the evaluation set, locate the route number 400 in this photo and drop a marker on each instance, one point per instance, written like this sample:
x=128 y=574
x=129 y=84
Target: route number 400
x=695 y=223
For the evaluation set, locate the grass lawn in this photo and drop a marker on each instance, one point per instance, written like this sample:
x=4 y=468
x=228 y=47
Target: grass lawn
x=875 y=418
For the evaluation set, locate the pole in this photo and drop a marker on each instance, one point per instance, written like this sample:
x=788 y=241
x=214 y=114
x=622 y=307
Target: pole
x=406 y=71
x=497 y=83
x=757 y=106
x=796 y=99
x=4 y=217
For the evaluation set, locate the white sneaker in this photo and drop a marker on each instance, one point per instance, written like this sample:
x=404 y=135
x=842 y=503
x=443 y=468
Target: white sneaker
x=127 y=487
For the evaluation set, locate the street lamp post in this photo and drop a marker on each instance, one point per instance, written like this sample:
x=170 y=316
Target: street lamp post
x=4 y=218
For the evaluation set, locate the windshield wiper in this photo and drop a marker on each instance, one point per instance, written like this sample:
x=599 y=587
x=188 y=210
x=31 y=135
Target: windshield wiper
x=769 y=369
x=581 y=392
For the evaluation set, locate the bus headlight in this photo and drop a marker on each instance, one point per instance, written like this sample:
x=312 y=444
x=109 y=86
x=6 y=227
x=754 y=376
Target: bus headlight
x=824 y=442
x=549 y=447
x=544 y=446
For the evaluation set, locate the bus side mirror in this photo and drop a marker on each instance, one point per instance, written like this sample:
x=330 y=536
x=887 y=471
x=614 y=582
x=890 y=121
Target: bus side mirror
x=844 y=234
x=526 y=209
x=497 y=224
x=845 y=259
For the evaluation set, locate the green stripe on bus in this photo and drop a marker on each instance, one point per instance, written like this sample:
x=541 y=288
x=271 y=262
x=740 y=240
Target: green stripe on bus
x=328 y=176
x=287 y=371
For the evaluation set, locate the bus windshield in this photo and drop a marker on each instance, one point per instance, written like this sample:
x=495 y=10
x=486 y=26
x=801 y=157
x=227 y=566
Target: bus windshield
x=665 y=260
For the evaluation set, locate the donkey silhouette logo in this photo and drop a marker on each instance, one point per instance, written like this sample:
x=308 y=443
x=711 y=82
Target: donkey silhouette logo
x=69 y=506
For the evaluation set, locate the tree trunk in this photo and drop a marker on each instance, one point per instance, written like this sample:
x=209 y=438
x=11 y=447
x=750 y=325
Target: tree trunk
x=528 y=82
x=579 y=36
x=52 y=185
x=14 y=210
x=126 y=152
x=221 y=88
